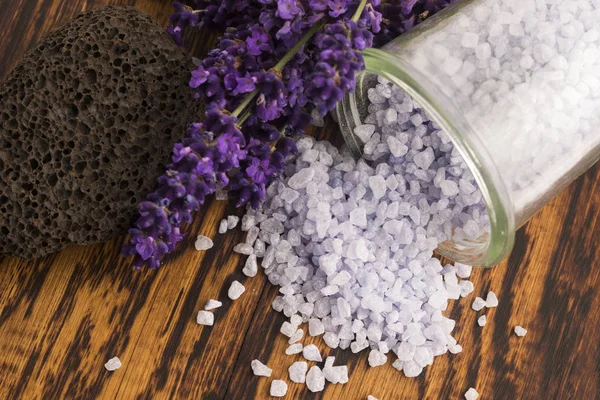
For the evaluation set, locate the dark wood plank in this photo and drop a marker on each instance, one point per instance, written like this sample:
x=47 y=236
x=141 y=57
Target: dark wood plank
x=63 y=316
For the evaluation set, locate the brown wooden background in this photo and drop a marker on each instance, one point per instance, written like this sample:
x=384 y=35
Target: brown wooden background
x=63 y=316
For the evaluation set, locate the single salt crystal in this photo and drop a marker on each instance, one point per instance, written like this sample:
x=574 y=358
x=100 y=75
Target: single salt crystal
x=312 y=353
x=377 y=358
x=358 y=217
x=232 y=221
x=113 y=364
x=243 y=248
x=424 y=158
x=235 y=290
x=438 y=300
x=455 y=349
x=248 y=221
x=331 y=339
x=260 y=369
x=397 y=148
x=205 y=318
x=491 y=300
x=449 y=188
x=278 y=388
x=296 y=320
x=294 y=349
x=203 y=243
x=212 y=304
x=470 y=40
x=481 y=321
x=463 y=270
x=251 y=266
x=223 y=226
x=315 y=327
x=471 y=394
x=364 y=132
x=520 y=331
x=378 y=186
x=369 y=397
x=296 y=336
x=301 y=178
x=315 y=380
x=287 y=328
x=297 y=371
x=478 y=304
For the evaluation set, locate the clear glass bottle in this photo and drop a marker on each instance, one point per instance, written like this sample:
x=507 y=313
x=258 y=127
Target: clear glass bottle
x=516 y=85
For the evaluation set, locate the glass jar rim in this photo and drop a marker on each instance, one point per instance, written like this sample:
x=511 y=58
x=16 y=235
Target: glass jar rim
x=444 y=112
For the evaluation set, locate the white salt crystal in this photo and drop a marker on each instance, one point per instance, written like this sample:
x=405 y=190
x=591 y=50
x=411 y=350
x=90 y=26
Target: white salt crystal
x=471 y=394
x=260 y=369
x=364 y=132
x=478 y=304
x=251 y=266
x=378 y=186
x=369 y=397
x=520 y=331
x=288 y=329
x=301 y=178
x=315 y=327
x=297 y=371
x=278 y=388
x=232 y=221
x=358 y=217
x=294 y=349
x=243 y=248
x=223 y=226
x=235 y=290
x=470 y=40
x=312 y=353
x=212 y=304
x=205 y=318
x=315 y=381
x=397 y=148
x=248 y=221
x=481 y=321
x=377 y=358
x=449 y=188
x=491 y=300
x=296 y=336
x=203 y=243
x=113 y=364
x=331 y=339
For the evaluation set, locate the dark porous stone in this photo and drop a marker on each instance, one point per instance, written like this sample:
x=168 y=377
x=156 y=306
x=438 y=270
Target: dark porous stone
x=87 y=121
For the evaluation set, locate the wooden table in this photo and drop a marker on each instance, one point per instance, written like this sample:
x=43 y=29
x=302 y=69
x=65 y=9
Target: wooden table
x=62 y=317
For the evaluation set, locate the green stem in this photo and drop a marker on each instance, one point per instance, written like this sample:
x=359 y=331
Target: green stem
x=244 y=103
x=292 y=52
x=278 y=67
x=359 y=10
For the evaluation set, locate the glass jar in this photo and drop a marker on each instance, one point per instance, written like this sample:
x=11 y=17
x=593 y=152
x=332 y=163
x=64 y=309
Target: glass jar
x=516 y=86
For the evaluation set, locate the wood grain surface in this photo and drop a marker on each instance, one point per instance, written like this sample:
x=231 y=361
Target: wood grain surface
x=63 y=316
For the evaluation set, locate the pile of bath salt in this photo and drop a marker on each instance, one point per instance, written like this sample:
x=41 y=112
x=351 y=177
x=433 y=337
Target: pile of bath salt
x=397 y=132
x=351 y=242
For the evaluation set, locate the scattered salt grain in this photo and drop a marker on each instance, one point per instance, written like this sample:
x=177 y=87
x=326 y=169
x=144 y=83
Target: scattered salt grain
x=296 y=336
x=251 y=266
x=478 y=304
x=491 y=300
x=203 y=243
x=113 y=364
x=235 y=290
x=287 y=328
x=294 y=349
x=260 y=369
x=315 y=381
x=223 y=226
x=297 y=371
x=471 y=394
x=278 y=388
x=243 y=248
x=481 y=321
x=369 y=397
x=312 y=353
x=232 y=221
x=315 y=327
x=212 y=304
x=377 y=358
x=520 y=331
x=205 y=318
